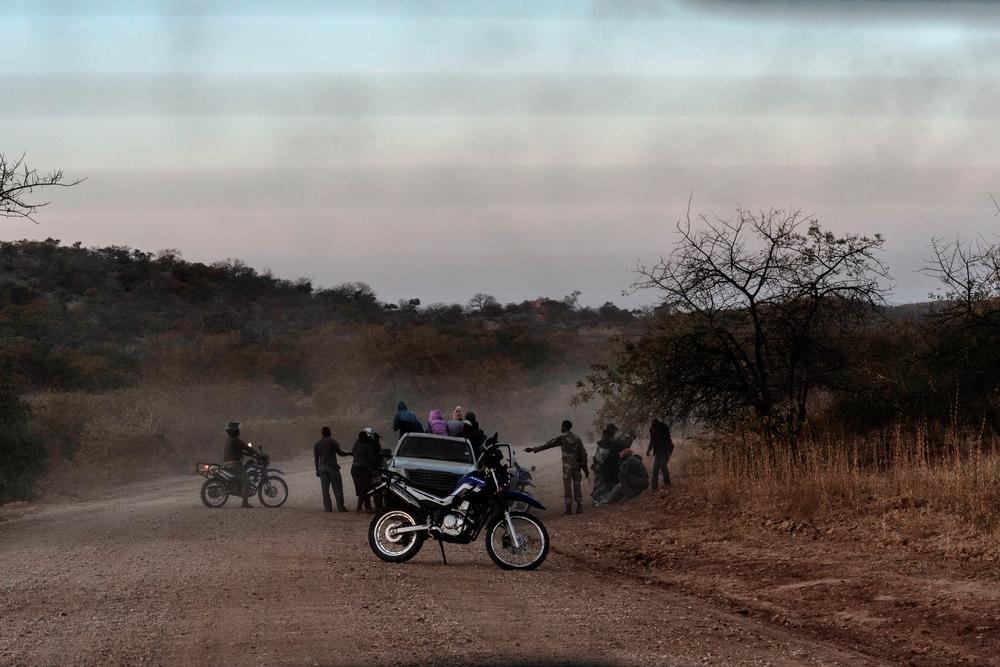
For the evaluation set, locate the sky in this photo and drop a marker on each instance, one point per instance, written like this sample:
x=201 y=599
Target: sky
x=438 y=149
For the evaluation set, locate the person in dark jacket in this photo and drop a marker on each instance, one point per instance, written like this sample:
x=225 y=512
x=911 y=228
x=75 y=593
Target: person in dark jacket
x=615 y=444
x=232 y=459
x=405 y=421
x=325 y=453
x=366 y=458
x=661 y=446
x=605 y=462
x=633 y=478
x=473 y=433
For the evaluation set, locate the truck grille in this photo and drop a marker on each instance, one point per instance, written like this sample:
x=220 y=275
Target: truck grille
x=436 y=482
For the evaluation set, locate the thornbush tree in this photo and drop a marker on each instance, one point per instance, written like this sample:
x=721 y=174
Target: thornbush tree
x=965 y=326
x=755 y=316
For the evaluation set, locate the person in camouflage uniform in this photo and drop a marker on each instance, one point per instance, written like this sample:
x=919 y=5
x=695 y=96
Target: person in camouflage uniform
x=574 y=462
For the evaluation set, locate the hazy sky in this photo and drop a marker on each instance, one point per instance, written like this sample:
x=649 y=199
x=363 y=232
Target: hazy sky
x=437 y=149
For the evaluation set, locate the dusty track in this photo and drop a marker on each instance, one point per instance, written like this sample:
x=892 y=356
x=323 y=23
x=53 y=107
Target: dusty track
x=152 y=577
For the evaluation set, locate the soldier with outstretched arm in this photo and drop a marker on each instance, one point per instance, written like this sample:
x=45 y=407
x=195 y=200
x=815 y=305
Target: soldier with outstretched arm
x=574 y=462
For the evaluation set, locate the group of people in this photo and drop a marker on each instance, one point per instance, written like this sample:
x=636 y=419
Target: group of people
x=619 y=473
x=367 y=453
x=462 y=424
x=366 y=456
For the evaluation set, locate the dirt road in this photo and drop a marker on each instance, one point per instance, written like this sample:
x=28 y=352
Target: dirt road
x=152 y=577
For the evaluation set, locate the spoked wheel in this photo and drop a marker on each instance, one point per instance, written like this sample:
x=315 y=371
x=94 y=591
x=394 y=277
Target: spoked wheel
x=389 y=545
x=214 y=493
x=526 y=549
x=273 y=492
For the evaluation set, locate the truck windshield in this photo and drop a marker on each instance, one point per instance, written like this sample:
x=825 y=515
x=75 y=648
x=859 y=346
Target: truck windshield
x=454 y=451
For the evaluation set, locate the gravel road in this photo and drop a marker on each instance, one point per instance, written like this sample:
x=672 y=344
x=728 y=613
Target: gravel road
x=150 y=576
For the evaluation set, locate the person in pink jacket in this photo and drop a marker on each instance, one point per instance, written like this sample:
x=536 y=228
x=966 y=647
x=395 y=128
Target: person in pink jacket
x=436 y=423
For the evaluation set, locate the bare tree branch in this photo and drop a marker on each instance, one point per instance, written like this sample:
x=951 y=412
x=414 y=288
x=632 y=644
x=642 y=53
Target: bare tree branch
x=18 y=185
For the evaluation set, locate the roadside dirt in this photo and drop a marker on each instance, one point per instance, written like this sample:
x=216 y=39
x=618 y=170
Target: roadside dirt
x=878 y=585
x=152 y=577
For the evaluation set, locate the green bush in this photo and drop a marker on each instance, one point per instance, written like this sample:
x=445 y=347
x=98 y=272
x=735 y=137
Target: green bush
x=21 y=454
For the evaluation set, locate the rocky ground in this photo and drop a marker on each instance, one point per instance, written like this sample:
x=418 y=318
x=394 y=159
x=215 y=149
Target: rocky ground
x=150 y=576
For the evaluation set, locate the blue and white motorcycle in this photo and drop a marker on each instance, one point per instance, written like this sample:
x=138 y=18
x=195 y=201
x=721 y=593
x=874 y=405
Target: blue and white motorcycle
x=262 y=480
x=479 y=503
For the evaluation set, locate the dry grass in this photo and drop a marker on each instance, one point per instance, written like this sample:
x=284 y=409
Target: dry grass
x=953 y=476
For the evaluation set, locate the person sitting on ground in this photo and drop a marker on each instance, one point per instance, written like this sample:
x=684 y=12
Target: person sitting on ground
x=232 y=459
x=605 y=463
x=436 y=423
x=325 y=453
x=456 y=425
x=633 y=478
x=405 y=421
x=365 y=460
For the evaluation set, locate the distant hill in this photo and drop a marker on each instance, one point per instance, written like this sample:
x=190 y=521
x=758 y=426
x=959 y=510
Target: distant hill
x=88 y=318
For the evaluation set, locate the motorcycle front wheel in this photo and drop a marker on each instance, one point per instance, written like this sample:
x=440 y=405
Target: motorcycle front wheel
x=524 y=551
x=389 y=545
x=214 y=493
x=273 y=492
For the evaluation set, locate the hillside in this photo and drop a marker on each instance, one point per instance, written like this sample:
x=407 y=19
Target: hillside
x=128 y=356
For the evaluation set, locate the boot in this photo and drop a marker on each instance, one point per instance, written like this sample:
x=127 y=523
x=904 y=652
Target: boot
x=579 y=507
x=246 y=503
x=569 y=509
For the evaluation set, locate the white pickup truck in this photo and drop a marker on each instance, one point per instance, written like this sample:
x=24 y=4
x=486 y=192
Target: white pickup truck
x=433 y=463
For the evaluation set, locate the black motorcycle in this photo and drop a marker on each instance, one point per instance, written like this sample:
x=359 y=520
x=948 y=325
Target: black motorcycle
x=479 y=503
x=262 y=480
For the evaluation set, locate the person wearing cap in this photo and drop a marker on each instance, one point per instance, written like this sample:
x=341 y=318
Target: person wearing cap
x=574 y=462
x=325 y=453
x=366 y=454
x=633 y=478
x=232 y=459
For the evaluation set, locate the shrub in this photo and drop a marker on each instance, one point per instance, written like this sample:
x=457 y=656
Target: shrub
x=22 y=454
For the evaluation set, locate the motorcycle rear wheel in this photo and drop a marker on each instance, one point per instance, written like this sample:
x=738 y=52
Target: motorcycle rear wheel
x=214 y=493
x=534 y=540
x=273 y=492
x=389 y=547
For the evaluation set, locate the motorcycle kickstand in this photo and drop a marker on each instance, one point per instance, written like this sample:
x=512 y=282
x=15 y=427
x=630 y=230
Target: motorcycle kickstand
x=441 y=544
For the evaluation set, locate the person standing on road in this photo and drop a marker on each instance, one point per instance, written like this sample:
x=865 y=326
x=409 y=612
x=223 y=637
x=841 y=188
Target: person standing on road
x=365 y=460
x=661 y=446
x=405 y=421
x=574 y=462
x=232 y=459
x=325 y=453
x=380 y=463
